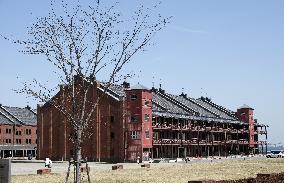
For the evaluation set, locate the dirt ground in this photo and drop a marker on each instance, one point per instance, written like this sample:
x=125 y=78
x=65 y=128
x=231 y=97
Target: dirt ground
x=220 y=170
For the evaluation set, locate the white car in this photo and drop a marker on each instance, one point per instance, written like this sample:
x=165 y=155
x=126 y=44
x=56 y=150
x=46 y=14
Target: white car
x=276 y=154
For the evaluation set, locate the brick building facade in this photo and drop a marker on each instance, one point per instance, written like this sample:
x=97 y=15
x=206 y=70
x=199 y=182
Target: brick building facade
x=104 y=140
x=135 y=121
x=18 y=132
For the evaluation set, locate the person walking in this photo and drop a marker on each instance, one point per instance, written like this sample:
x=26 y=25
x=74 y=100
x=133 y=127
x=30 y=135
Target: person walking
x=138 y=159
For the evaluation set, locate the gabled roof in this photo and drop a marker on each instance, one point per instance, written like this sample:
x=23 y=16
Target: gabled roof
x=175 y=105
x=17 y=116
x=179 y=106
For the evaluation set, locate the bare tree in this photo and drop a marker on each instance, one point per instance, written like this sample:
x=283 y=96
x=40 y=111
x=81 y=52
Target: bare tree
x=83 y=42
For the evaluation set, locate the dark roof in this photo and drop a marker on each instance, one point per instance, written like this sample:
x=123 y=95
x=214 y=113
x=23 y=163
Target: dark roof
x=191 y=103
x=166 y=106
x=4 y=119
x=170 y=105
x=181 y=105
x=18 y=116
x=217 y=111
x=118 y=89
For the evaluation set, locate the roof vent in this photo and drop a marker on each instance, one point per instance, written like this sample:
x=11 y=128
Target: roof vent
x=161 y=91
x=183 y=95
x=153 y=89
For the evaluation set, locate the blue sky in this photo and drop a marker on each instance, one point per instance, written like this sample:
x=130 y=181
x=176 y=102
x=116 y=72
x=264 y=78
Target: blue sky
x=231 y=51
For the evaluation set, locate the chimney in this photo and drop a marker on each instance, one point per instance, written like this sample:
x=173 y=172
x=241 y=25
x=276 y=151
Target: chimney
x=61 y=86
x=125 y=84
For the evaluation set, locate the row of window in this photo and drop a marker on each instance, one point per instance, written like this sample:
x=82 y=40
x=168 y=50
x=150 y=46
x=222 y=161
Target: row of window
x=134 y=118
x=18 y=141
x=134 y=97
x=18 y=132
x=134 y=135
x=137 y=135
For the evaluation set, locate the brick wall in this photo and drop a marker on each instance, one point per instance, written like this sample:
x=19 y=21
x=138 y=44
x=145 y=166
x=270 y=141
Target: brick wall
x=246 y=115
x=102 y=141
x=139 y=122
x=18 y=135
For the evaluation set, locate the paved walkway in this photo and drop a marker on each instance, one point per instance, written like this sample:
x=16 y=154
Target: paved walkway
x=30 y=167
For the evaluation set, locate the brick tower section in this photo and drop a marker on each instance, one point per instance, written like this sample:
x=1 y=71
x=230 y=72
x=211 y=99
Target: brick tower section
x=245 y=114
x=139 y=123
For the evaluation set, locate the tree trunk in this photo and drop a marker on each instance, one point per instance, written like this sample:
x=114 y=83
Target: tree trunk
x=78 y=155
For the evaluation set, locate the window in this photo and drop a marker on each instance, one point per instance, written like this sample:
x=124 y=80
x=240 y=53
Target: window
x=27 y=141
x=135 y=134
x=28 y=131
x=7 y=141
x=146 y=102
x=9 y=131
x=112 y=119
x=147 y=117
x=10 y=141
x=30 y=141
x=134 y=118
x=112 y=135
x=147 y=134
x=155 y=135
x=18 y=132
x=18 y=141
x=133 y=97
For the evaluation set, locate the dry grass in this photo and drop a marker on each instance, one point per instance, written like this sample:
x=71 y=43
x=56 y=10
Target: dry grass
x=173 y=173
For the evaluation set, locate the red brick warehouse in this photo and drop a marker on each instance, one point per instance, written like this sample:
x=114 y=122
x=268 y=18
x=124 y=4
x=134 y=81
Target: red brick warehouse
x=103 y=142
x=135 y=121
